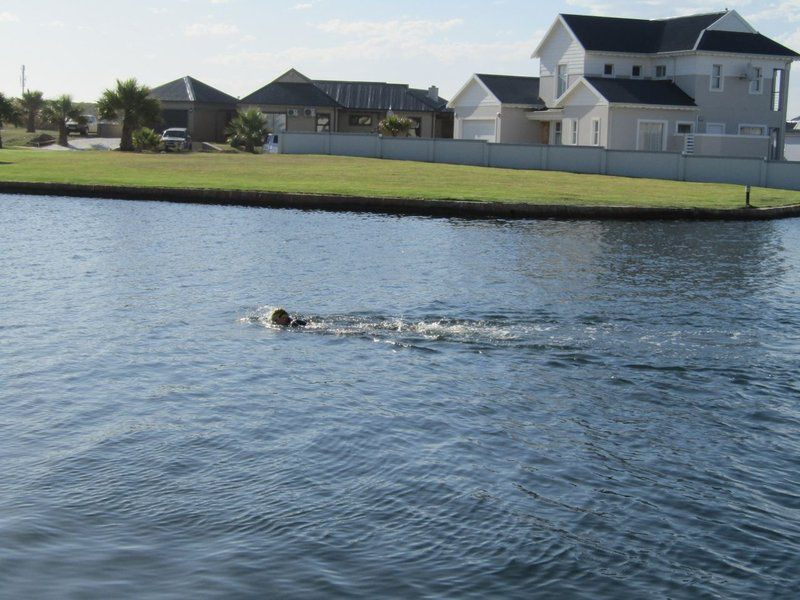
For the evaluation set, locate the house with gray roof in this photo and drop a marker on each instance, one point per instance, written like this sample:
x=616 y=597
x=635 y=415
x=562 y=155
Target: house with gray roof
x=704 y=84
x=494 y=107
x=295 y=103
x=205 y=111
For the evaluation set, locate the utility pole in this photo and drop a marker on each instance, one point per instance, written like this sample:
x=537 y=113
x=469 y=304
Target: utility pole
x=23 y=80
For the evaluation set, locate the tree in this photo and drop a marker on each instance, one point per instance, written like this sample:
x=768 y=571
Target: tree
x=395 y=126
x=146 y=139
x=134 y=103
x=248 y=128
x=30 y=105
x=59 y=111
x=8 y=114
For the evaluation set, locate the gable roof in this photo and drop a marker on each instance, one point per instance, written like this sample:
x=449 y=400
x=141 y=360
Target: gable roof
x=422 y=95
x=640 y=91
x=290 y=94
x=189 y=89
x=743 y=43
x=512 y=89
x=373 y=95
x=640 y=36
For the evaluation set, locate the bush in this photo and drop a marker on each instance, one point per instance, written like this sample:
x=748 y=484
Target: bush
x=145 y=139
x=395 y=126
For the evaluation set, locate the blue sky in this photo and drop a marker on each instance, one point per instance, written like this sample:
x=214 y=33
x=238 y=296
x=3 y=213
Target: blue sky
x=80 y=47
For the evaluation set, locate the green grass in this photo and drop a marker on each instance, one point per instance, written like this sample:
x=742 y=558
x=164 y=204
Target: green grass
x=370 y=177
x=17 y=136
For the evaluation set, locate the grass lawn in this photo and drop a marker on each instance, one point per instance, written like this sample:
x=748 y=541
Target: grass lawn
x=369 y=177
x=18 y=136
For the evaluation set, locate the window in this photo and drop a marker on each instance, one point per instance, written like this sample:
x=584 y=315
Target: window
x=557 y=135
x=276 y=122
x=416 y=127
x=636 y=71
x=573 y=132
x=777 y=90
x=757 y=80
x=651 y=136
x=661 y=71
x=608 y=70
x=323 y=122
x=716 y=78
x=752 y=130
x=684 y=128
x=595 y=132
x=360 y=120
x=563 y=80
x=715 y=128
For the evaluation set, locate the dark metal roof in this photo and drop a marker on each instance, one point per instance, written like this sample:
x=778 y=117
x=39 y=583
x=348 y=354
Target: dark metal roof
x=290 y=94
x=440 y=104
x=189 y=89
x=638 y=91
x=511 y=89
x=372 y=95
x=743 y=43
x=610 y=34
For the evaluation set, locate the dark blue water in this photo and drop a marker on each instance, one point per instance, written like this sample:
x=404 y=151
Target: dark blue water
x=477 y=409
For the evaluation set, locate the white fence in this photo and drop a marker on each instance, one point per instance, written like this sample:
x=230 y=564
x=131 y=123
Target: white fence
x=575 y=159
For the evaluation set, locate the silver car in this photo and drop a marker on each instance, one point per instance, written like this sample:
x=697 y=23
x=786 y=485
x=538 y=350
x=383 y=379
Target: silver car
x=177 y=138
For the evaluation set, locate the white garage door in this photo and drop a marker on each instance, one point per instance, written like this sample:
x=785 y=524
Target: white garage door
x=478 y=129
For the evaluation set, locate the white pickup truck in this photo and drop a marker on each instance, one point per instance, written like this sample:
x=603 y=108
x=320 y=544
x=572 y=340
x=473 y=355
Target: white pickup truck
x=85 y=125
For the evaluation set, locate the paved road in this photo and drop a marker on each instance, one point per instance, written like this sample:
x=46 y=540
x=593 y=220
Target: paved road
x=87 y=143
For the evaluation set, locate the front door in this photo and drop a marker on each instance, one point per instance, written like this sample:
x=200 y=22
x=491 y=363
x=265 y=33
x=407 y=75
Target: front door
x=544 y=133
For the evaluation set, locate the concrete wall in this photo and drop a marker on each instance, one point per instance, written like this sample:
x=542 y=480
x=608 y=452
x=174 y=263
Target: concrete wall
x=793 y=147
x=576 y=159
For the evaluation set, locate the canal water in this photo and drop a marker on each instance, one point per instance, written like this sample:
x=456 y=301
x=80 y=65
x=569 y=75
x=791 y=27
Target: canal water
x=476 y=408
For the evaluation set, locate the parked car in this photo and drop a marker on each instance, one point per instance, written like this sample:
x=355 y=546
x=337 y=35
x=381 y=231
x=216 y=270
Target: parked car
x=85 y=125
x=176 y=138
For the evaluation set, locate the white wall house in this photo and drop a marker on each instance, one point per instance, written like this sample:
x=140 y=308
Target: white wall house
x=793 y=139
x=494 y=107
x=704 y=84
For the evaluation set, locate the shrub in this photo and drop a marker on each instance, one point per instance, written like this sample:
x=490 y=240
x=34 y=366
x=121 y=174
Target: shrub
x=248 y=129
x=145 y=139
x=395 y=126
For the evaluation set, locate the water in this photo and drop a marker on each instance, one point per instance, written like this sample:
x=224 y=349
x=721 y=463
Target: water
x=476 y=409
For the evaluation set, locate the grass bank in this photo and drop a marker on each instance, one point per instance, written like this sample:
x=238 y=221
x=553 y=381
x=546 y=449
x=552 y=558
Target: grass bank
x=370 y=177
x=18 y=136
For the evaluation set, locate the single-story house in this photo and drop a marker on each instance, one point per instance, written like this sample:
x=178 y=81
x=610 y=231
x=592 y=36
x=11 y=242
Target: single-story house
x=205 y=111
x=494 y=107
x=293 y=102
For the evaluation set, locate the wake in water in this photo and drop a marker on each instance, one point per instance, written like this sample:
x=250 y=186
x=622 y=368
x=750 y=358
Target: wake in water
x=405 y=332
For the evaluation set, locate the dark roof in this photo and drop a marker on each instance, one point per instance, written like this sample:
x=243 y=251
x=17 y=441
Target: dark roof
x=610 y=34
x=440 y=104
x=372 y=95
x=189 y=89
x=290 y=94
x=511 y=89
x=639 y=91
x=742 y=43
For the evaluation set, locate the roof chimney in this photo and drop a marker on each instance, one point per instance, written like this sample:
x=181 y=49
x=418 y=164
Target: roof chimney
x=433 y=93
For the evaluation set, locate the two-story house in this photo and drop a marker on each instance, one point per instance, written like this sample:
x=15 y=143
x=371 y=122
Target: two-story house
x=708 y=84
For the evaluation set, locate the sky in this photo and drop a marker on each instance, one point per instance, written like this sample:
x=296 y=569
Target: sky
x=81 y=47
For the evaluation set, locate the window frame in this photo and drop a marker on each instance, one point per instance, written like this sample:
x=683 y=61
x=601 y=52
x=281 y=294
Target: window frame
x=562 y=77
x=664 y=135
x=689 y=123
x=758 y=80
x=596 y=131
x=777 y=100
x=722 y=125
x=354 y=118
x=558 y=133
x=764 y=129
x=656 y=75
x=611 y=74
x=573 y=132
x=633 y=71
x=720 y=79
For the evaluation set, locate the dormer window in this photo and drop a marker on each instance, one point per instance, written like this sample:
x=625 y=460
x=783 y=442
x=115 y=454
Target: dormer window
x=563 y=80
x=608 y=70
x=636 y=71
x=716 y=78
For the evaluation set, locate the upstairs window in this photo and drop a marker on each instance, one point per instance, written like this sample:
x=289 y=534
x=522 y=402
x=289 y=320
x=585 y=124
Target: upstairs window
x=777 y=90
x=563 y=80
x=608 y=70
x=636 y=71
x=716 y=78
x=661 y=71
x=757 y=80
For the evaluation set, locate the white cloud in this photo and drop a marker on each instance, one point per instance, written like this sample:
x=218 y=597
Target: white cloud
x=216 y=29
x=303 y=6
x=7 y=17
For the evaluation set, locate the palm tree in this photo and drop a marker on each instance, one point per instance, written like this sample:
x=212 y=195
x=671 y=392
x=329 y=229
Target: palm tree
x=134 y=103
x=59 y=111
x=30 y=104
x=8 y=114
x=395 y=126
x=248 y=129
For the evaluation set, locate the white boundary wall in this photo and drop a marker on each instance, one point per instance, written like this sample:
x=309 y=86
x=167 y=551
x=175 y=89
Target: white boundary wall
x=575 y=159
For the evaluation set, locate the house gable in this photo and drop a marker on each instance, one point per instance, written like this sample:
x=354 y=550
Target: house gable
x=292 y=76
x=473 y=93
x=732 y=21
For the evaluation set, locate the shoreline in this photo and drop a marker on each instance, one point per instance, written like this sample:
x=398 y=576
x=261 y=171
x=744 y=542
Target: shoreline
x=467 y=209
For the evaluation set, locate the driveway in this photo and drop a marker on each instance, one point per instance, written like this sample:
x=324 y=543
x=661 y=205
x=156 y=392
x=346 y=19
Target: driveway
x=87 y=143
